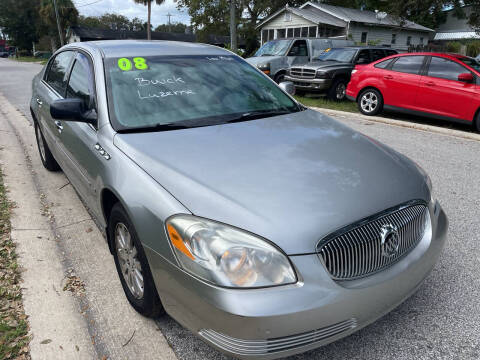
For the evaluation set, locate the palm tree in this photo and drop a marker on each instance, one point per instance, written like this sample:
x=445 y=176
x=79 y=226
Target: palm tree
x=149 y=6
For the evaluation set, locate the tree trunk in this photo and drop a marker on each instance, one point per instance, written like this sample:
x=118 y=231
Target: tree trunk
x=149 y=35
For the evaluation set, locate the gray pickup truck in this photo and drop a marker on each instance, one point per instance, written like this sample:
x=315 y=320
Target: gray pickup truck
x=330 y=72
x=275 y=57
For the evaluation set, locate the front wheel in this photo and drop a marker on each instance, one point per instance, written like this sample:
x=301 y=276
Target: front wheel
x=132 y=265
x=46 y=156
x=279 y=78
x=370 y=102
x=338 y=90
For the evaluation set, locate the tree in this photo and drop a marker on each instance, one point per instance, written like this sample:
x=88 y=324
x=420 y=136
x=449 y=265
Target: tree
x=68 y=16
x=112 y=21
x=19 y=22
x=173 y=27
x=148 y=3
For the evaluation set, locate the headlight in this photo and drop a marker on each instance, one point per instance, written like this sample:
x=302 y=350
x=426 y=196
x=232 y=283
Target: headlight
x=264 y=68
x=322 y=75
x=227 y=256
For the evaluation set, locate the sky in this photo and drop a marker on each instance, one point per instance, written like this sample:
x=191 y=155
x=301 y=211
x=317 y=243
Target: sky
x=130 y=9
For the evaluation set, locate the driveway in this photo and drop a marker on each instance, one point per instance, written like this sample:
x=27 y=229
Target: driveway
x=440 y=321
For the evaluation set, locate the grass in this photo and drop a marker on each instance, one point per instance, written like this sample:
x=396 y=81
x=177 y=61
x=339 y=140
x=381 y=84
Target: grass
x=14 y=337
x=323 y=102
x=30 y=59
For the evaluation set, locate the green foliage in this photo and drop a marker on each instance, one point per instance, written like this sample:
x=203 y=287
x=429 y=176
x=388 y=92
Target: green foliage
x=19 y=21
x=67 y=13
x=112 y=21
x=173 y=27
x=473 y=48
x=453 y=47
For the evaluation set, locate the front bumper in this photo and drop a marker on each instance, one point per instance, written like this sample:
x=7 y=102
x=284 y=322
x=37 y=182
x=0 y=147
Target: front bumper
x=310 y=84
x=281 y=321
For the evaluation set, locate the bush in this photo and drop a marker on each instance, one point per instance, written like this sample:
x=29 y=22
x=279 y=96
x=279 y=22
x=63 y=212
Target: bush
x=454 y=47
x=473 y=48
x=24 y=53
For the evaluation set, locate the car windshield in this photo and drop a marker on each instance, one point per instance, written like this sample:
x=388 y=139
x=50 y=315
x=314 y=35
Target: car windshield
x=274 y=48
x=342 y=55
x=473 y=63
x=189 y=91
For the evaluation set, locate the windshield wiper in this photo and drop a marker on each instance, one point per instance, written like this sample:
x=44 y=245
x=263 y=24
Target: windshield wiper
x=253 y=115
x=153 y=128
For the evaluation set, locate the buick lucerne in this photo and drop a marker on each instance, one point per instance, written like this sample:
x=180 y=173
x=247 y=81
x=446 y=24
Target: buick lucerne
x=265 y=228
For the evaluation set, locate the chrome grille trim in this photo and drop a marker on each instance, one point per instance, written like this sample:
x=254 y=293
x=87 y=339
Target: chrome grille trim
x=355 y=251
x=303 y=73
x=269 y=346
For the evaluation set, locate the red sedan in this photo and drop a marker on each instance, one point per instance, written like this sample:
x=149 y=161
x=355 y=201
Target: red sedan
x=443 y=86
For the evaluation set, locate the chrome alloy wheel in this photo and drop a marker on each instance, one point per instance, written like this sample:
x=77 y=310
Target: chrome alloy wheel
x=41 y=145
x=128 y=259
x=341 y=91
x=369 y=102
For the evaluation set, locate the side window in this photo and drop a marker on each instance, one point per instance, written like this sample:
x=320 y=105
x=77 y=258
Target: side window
x=56 y=75
x=363 y=57
x=377 y=54
x=81 y=83
x=299 y=48
x=408 y=64
x=384 y=64
x=391 y=52
x=445 y=69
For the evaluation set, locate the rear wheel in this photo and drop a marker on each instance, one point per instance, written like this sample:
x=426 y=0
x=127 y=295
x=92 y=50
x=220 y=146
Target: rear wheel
x=370 y=102
x=46 y=156
x=132 y=265
x=338 y=90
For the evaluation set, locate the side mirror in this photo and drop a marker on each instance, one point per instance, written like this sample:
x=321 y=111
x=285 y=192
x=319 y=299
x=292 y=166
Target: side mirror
x=72 y=110
x=288 y=87
x=466 y=77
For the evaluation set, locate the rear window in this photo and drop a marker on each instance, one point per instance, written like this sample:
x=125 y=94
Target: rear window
x=409 y=64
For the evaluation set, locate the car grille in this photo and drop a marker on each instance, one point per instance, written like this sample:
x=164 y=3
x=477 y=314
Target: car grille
x=263 y=347
x=357 y=251
x=303 y=73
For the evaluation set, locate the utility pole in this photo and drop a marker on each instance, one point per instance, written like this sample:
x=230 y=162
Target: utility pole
x=58 y=23
x=233 y=27
x=169 y=23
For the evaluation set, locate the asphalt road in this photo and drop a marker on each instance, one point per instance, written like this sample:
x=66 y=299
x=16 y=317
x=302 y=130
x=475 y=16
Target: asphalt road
x=440 y=321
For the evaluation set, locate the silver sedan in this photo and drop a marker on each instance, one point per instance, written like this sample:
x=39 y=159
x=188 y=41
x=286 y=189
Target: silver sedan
x=265 y=228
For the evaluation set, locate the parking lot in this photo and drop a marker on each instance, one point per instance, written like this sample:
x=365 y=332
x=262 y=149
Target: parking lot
x=440 y=321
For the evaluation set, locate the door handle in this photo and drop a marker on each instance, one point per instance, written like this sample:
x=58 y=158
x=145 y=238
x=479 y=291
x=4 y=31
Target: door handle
x=39 y=102
x=59 y=126
x=388 y=77
x=430 y=83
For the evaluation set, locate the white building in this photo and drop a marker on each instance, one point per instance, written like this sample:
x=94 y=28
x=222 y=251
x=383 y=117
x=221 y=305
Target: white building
x=320 y=20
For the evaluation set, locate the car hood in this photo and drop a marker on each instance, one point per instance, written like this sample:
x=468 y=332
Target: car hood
x=264 y=59
x=326 y=65
x=292 y=179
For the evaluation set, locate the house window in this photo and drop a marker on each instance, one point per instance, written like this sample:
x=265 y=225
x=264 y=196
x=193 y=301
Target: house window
x=304 y=31
x=409 y=40
x=394 y=39
x=364 y=38
x=265 y=36
x=290 y=33
x=312 y=31
x=421 y=41
x=296 y=32
x=271 y=34
x=288 y=16
x=281 y=33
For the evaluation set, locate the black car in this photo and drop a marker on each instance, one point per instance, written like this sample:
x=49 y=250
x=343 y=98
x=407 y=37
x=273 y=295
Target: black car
x=331 y=71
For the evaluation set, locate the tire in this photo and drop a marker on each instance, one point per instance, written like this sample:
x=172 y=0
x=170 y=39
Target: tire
x=337 y=91
x=476 y=123
x=370 y=102
x=279 y=78
x=46 y=156
x=128 y=254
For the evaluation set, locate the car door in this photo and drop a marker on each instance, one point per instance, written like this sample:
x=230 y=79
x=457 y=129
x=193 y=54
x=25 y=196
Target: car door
x=79 y=139
x=401 y=81
x=442 y=93
x=52 y=87
x=298 y=53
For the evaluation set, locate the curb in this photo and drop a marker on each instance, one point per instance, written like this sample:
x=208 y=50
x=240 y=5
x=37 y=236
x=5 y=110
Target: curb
x=404 y=124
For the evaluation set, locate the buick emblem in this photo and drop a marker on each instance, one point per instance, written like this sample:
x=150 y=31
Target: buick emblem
x=390 y=241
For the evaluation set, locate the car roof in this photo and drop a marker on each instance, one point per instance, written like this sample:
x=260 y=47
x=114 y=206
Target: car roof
x=365 y=47
x=445 y=55
x=131 y=48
